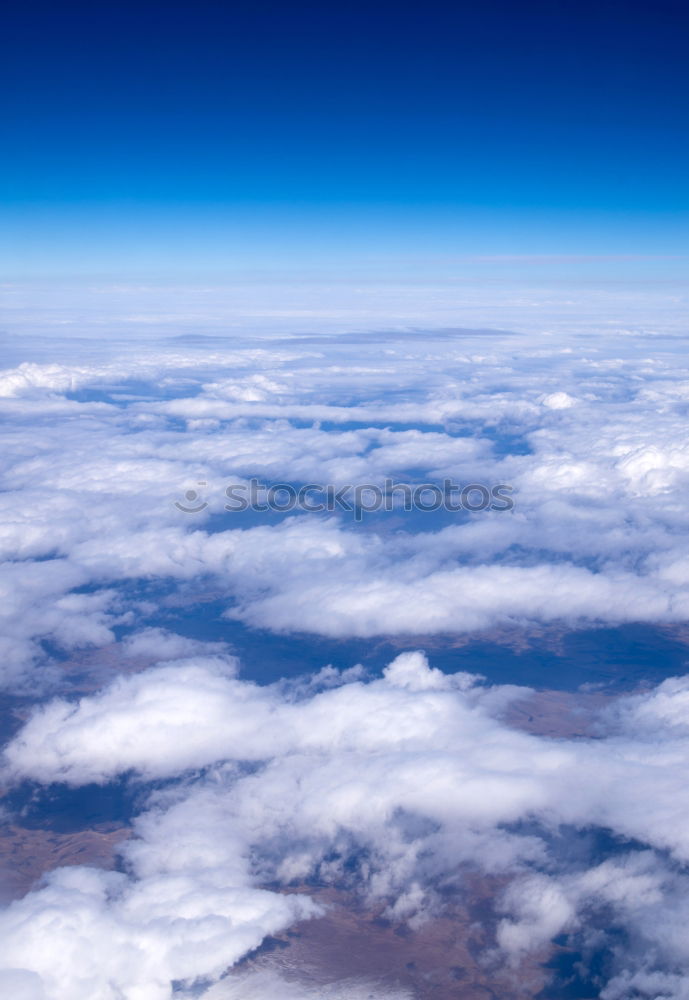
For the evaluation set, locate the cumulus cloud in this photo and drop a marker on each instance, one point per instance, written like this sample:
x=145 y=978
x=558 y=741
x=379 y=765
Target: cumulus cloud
x=590 y=436
x=159 y=644
x=393 y=786
x=417 y=772
x=104 y=468
x=89 y=933
x=191 y=713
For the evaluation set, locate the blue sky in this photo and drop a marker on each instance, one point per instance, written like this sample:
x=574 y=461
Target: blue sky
x=155 y=136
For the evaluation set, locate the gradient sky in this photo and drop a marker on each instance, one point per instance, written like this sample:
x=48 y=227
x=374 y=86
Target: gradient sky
x=173 y=135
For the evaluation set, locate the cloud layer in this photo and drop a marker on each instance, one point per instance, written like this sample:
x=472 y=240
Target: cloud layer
x=590 y=436
x=404 y=781
x=397 y=788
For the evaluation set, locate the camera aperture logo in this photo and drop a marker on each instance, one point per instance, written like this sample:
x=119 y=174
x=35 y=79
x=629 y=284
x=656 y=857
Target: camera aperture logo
x=356 y=499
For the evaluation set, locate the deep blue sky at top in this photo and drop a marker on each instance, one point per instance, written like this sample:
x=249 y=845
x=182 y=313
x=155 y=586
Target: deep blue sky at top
x=145 y=131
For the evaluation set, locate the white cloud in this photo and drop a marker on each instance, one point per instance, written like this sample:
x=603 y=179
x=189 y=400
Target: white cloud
x=91 y=481
x=415 y=769
x=94 y=934
x=268 y=985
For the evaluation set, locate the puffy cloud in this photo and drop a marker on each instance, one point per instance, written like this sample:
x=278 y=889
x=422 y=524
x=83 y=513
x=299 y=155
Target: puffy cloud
x=158 y=644
x=558 y=401
x=415 y=771
x=88 y=933
x=393 y=785
x=38 y=601
x=97 y=451
x=195 y=712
